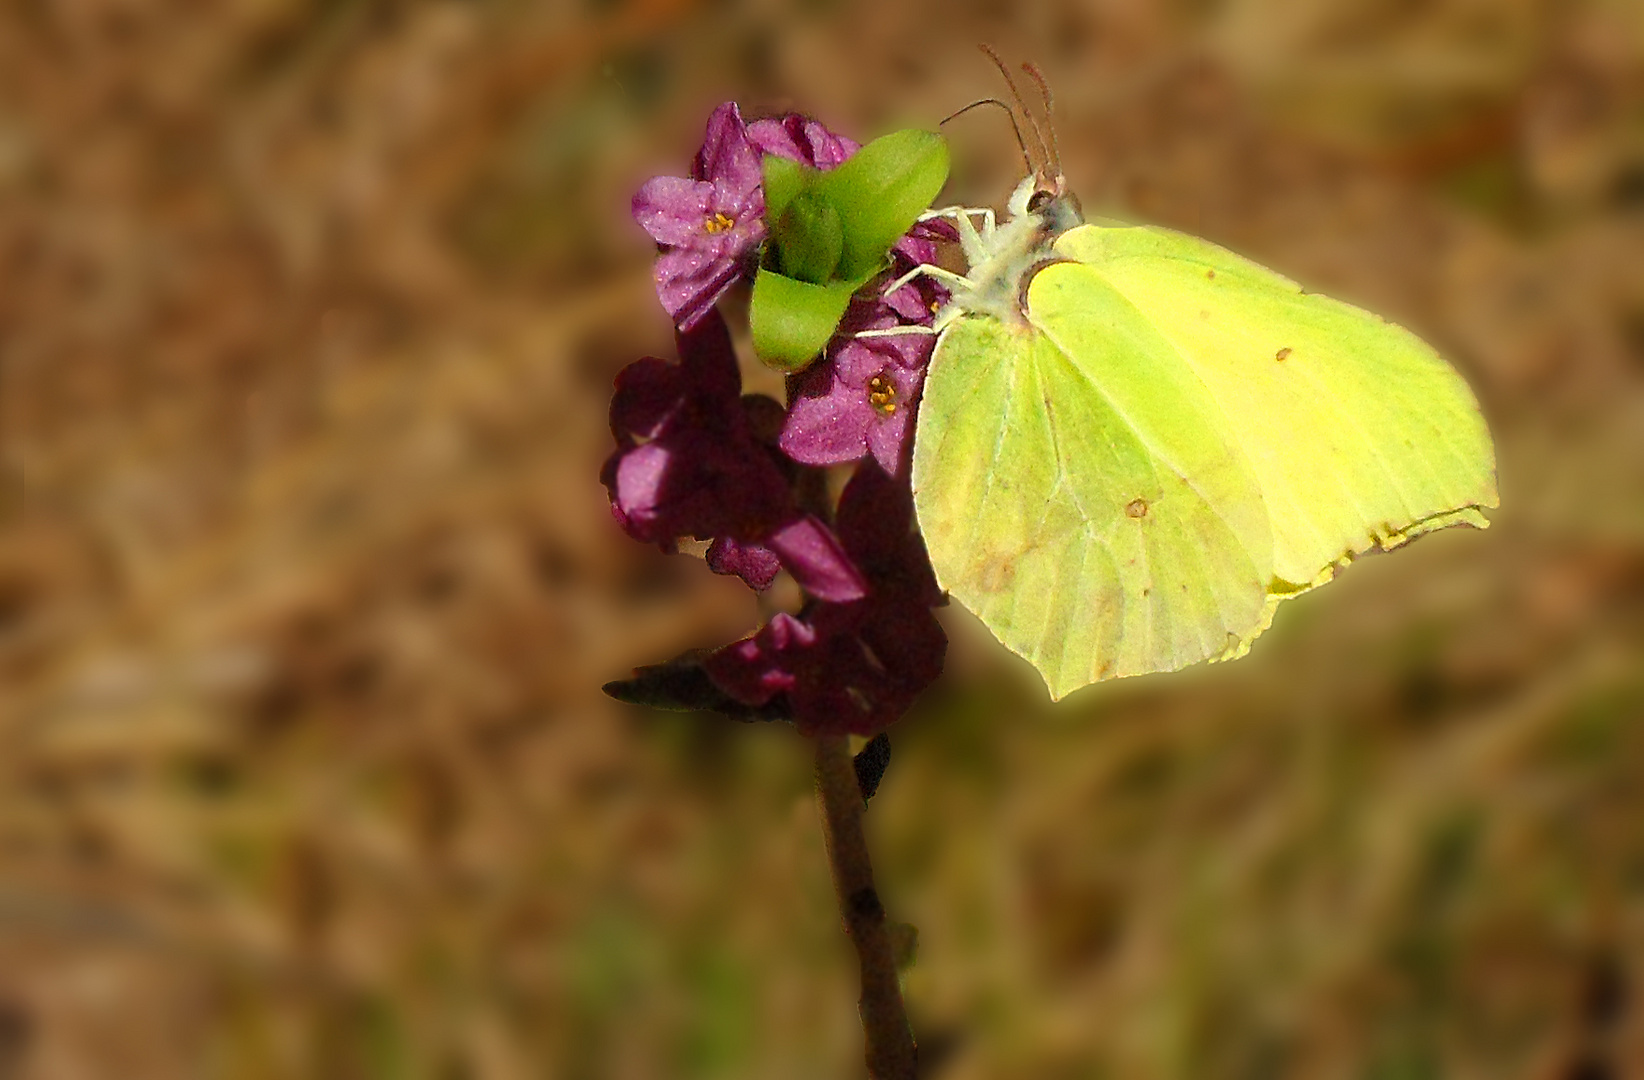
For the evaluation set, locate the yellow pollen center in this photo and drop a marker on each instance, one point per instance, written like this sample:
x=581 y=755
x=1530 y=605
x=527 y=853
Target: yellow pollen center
x=882 y=395
x=718 y=223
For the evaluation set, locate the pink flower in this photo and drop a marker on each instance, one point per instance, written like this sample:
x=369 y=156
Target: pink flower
x=711 y=223
x=851 y=667
x=860 y=398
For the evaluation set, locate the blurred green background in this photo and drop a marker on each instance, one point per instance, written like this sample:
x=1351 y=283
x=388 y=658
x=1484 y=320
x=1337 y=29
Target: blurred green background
x=309 y=311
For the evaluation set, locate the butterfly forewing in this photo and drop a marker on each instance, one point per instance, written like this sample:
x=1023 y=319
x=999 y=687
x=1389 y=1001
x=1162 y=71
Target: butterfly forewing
x=1359 y=434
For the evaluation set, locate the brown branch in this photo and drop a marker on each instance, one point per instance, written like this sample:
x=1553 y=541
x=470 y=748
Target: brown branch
x=891 y=1053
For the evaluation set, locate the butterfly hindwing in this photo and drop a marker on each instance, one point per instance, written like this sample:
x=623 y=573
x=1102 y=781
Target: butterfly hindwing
x=1081 y=545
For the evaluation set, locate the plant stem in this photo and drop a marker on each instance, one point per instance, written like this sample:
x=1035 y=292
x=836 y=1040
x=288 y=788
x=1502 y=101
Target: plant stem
x=891 y=1053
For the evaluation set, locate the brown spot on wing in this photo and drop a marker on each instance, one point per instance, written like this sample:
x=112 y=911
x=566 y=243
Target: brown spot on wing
x=1282 y=353
x=1136 y=508
x=997 y=572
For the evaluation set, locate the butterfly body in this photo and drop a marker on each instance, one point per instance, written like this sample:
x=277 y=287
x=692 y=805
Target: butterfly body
x=1133 y=444
x=1002 y=259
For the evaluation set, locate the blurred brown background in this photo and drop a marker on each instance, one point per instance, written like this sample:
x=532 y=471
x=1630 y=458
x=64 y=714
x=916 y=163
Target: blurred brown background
x=308 y=315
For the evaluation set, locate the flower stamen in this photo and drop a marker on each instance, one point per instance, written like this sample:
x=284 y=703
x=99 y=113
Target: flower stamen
x=882 y=395
x=717 y=224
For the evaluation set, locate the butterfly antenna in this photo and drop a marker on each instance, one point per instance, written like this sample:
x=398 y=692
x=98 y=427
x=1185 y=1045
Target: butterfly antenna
x=1050 y=125
x=1016 y=95
x=1014 y=126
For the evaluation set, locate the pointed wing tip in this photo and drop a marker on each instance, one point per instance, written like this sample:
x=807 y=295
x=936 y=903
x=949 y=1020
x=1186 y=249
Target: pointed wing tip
x=1061 y=687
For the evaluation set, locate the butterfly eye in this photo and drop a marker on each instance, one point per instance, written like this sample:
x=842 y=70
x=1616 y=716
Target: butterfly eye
x=1039 y=200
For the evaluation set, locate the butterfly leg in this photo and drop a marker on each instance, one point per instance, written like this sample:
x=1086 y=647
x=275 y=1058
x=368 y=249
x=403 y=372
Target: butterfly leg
x=899 y=331
x=974 y=244
x=946 y=277
x=943 y=317
x=963 y=213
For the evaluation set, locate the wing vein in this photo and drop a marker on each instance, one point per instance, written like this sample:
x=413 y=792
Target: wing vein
x=1153 y=450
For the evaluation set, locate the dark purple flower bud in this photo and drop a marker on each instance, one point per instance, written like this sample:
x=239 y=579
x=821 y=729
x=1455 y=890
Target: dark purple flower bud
x=688 y=463
x=859 y=681
x=876 y=527
x=801 y=139
x=755 y=564
x=756 y=669
x=708 y=225
x=853 y=667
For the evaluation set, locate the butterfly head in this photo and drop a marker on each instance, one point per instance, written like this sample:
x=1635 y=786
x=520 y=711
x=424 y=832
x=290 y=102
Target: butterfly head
x=1048 y=199
x=1043 y=193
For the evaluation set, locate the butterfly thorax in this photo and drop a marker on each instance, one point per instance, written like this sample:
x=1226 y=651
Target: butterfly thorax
x=1002 y=264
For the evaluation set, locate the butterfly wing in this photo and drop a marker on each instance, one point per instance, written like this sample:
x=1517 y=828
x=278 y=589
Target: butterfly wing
x=1359 y=434
x=1097 y=533
x=1178 y=440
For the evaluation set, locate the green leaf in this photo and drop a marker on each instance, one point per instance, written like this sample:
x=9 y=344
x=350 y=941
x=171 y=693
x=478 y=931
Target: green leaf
x=783 y=178
x=809 y=239
x=880 y=191
x=792 y=320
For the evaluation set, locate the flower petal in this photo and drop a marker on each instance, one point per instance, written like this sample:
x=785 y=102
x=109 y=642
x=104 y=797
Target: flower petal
x=728 y=160
x=827 y=420
x=690 y=281
x=639 y=482
x=813 y=555
x=709 y=362
x=648 y=392
x=887 y=439
x=875 y=522
x=672 y=209
x=801 y=139
x=757 y=668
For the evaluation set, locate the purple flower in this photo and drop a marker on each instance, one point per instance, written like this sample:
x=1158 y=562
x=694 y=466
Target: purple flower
x=860 y=398
x=851 y=667
x=697 y=458
x=801 y=139
x=687 y=463
x=876 y=526
x=710 y=224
